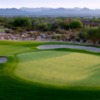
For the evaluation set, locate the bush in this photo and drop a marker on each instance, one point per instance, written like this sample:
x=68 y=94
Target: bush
x=22 y=22
x=76 y=24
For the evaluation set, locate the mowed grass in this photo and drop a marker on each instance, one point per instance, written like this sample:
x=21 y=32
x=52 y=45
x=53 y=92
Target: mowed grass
x=16 y=88
x=59 y=68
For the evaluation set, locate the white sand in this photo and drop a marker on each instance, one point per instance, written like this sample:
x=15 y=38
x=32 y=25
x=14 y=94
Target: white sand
x=88 y=48
x=3 y=59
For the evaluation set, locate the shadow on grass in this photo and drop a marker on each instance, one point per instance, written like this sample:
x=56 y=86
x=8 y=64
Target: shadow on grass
x=16 y=91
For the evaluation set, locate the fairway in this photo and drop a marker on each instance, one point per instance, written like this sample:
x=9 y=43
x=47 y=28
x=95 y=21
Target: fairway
x=59 y=68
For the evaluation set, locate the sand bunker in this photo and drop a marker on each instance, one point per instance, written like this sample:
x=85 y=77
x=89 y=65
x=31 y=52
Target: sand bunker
x=3 y=59
x=93 y=49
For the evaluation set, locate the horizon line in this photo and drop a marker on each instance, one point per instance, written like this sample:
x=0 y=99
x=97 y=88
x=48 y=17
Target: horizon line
x=48 y=7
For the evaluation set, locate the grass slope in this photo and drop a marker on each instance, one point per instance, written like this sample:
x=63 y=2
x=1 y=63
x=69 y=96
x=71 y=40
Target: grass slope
x=12 y=89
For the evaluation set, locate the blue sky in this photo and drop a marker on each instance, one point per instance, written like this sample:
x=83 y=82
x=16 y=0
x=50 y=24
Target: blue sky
x=93 y=4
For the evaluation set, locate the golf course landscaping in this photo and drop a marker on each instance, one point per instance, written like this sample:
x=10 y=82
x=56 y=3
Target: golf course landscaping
x=49 y=71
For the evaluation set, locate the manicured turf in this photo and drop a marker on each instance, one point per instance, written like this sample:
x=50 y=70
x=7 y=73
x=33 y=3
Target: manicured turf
x=61 y=74
x=59 y=68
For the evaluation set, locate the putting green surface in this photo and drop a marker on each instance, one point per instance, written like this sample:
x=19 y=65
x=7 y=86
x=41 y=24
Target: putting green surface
x=59 y=68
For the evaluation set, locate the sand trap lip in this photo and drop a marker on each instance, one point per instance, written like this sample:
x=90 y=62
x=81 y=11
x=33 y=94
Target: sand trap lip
x=92 y=49
x=3 y=59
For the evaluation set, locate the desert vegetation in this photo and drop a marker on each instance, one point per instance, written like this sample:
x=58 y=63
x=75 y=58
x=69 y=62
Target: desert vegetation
x=81 y=30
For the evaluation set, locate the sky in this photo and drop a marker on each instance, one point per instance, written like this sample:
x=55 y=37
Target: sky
x=93 y=4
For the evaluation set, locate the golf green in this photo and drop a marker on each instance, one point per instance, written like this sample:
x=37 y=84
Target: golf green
x=59 y=68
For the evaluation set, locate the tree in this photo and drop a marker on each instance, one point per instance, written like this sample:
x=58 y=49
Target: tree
x=22 y=22
x=2 y=21
x=92 y=34
x=65 y=24
x=44 y=26
x=76 y=24
x=83 y=34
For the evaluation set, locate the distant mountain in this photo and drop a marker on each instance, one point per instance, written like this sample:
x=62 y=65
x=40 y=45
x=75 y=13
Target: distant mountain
x=12 y=12
x=69 y=12
x=34 y=9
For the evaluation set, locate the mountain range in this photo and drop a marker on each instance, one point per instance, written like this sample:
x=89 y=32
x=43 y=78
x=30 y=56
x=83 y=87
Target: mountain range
x=54 y=12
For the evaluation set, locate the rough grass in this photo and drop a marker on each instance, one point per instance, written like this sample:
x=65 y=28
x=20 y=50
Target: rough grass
x=12 y=88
